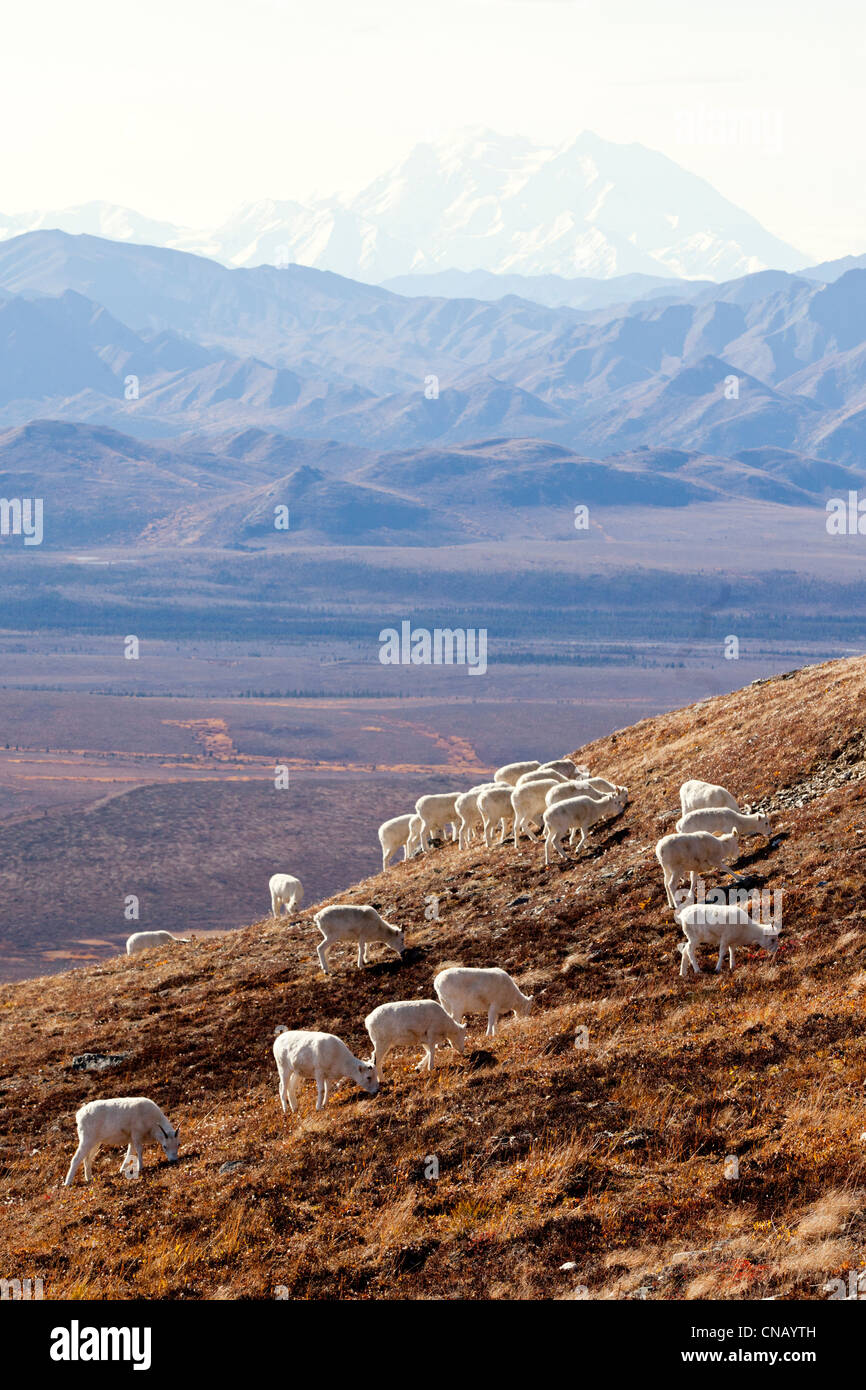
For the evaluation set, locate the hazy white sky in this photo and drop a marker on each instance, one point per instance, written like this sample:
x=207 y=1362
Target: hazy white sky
x=184 y=109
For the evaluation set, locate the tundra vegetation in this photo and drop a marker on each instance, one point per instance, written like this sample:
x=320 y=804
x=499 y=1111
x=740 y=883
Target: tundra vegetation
x=611 y=1156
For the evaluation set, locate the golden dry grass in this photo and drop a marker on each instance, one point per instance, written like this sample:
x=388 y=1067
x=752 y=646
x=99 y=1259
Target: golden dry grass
x=612 y=1157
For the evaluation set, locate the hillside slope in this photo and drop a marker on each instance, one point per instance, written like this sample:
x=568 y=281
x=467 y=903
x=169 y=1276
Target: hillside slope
x=612 y=1156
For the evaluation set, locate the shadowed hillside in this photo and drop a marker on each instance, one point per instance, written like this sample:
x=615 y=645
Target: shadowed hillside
x=612 y=1156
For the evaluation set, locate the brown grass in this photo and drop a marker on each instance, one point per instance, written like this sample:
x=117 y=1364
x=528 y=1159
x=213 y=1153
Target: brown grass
x=612 y=1158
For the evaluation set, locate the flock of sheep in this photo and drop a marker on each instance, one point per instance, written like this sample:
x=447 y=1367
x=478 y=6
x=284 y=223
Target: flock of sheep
x=560 y=798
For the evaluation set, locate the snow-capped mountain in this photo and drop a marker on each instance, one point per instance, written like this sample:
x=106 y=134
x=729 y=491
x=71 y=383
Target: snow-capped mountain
x=482 y=201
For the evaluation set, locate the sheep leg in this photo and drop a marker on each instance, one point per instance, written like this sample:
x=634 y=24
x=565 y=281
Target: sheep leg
x=492 y=1016
x=283 y=1092
x=275 y=912
x=723 y=946
x=321 y=952
x=730 y=957
x=580 y=842
x=128 y=1161
x=321 y=1092
x=361 y=950
x=670 y=880
x=692 y=954
x=293 y=1091
x=427 y=1059
x=554 y=840
x=77 y=1159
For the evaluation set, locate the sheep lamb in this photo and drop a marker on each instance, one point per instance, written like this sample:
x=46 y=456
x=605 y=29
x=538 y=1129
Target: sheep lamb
x=286 y=892
x=402 y=832
x=577 y=813
x=412 y=1023
x=724 y=925
x=133 y=1121
x=511 y=771
x=695 y=795
x=143 y=940
x=324 y=1058
x=437 y=810
x=361 y=925
x=719 y=820
x=468 y=813
x=463 y=990
x=528 y=804
x=689 y=855
x=567 y=768
x=495 y=807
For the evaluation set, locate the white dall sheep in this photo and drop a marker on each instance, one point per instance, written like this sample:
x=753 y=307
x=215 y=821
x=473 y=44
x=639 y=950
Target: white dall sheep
x=528 y=804
x=437 y=810
x=567 y=768
x=412 y=1023
x=322 y=1057
x=463 y=990
x=143 y=940
x=401 y=832
x=511 y=771
x=363 y=925
x=565 y=790
x=543 y=774
x=577 y=813
x=496 y=809
x=698 y=852
x=695 y=795
x=133 y=1121
x=286 y=892
x=719 y=820
x=468 y=814
x=724 y=925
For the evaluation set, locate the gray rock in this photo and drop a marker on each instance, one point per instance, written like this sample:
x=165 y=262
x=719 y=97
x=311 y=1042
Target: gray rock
x=98 y=1061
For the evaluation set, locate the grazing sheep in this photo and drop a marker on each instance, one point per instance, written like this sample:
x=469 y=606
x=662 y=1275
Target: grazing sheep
x=601 y=784
x=463 y=990
x=696 y=795
x=564 y=790
x=321 y=1056
x=437 y=811
x=692 y=854
x=528 y=804
x=134 y=1121
x=542 y=774
x=724 y=925
x=286 y=892
x=468 y=813
x=511 y=771
x=143 y=940
x=402 y=832
x=495 y=807
x=567 y=768
x=577 y=813
x=718 y=820
x=410 y=1023
x=346 y=922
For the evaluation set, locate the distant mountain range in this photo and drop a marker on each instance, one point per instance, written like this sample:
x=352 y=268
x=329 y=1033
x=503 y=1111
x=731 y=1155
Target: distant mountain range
x=104 y=489
x=479 y=201
x=157 y=343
